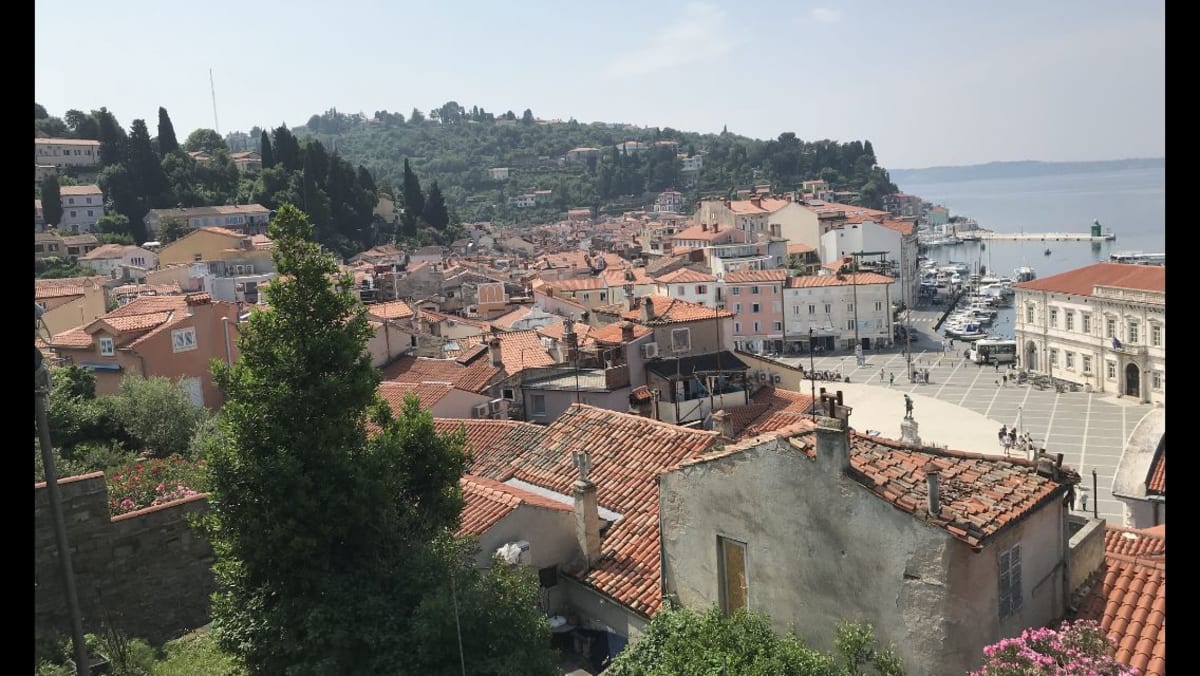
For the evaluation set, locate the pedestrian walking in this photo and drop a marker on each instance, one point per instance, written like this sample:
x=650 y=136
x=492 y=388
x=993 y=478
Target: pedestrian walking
x=1003 y=433
x=891 y=379
x=997 y=365
x=1083 y=498
x=881 y=376
x=1004 y=379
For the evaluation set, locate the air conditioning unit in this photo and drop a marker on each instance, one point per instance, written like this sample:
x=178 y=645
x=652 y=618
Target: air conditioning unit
x=776 y=378
x=494 y=405
x=480 y=411
x=650 y=350
x=762 y=376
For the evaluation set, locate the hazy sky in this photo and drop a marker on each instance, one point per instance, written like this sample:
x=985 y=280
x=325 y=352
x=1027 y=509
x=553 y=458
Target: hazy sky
x=928 y=83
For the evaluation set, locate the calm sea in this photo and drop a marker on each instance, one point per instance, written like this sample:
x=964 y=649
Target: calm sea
x=1131 y=203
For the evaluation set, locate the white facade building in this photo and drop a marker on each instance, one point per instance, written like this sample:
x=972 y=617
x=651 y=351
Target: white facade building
x=839 y=309
x=66 y=152
x=82 y=206
x=690 y=285
x=897 y=239
x=1102 y=326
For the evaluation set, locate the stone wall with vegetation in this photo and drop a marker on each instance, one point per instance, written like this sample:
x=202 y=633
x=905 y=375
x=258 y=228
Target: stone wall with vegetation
x=146 y=573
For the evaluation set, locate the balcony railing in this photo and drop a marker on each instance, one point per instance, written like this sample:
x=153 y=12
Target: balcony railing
x=1130 y=295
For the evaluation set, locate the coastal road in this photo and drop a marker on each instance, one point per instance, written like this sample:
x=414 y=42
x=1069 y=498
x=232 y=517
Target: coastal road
x=1089 y=429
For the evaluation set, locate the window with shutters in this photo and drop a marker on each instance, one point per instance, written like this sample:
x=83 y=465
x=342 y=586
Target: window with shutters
x=1010 y=581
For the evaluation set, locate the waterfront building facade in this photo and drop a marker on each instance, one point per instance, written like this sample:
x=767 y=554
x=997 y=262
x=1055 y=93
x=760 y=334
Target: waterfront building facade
x=1102 y=326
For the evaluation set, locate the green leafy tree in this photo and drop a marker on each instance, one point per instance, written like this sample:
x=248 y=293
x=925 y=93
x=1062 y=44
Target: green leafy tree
x=52 y=208
x=416 y=117
x=172 y=229
x=114 y=238
x=434 y=212
x=327 y=543
x=205 y=140
x=527 y=116
x=156 y=415
x=39 y=111
x=114 y=224
x=268 y=156
x=682 y=641
x=287 y=149
x=167 y=143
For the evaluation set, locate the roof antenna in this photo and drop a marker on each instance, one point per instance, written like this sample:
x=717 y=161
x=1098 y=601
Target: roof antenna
x=213 y=88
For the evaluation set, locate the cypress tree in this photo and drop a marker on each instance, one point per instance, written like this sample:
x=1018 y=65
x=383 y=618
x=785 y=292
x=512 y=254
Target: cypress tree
x=167 y=143
x=52 y=209
x=414 y=200
x=268 y=156
x=435 y=209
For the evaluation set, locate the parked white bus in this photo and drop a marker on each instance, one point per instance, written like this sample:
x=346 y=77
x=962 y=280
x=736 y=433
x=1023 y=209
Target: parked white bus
x=994 y=351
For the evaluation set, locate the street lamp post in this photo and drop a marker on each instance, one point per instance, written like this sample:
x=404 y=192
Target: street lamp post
x=812 y=380
x=41 y=398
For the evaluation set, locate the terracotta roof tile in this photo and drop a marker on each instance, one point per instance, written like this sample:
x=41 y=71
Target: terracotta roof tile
x=1128 y=601
x=487 y=501
x=700 y=232
x=396 y=309
x=1081 y=281
x=66 y=286
x=72 y=338
x=507 y=320
x=687 y=276
x=611 y=333
x=583 y=332
x=430 y=393
x=776 y=275
x=217 y=230
x=798 y=248
x=106 y=252
x=858 y=279
x=134 y=323
x=627 y=453
x=1157 y=483
x=473 y=377
x=520 y=350
x=1133 y=542
x=770 y=409
x=668 y=310
x=578 y=284
x=641 y=393
x=79 y=190
x=902 y=227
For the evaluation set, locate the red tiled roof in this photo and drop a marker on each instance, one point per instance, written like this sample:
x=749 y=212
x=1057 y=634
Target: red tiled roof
x=506 y=321
x=583 y=332
x=700 y=232
x=611 y=333
x=430 y=393
x=618 y=277
x=902 y=227
x=217 y=230
x=1133 y=542
x=487 y=501
x=72 y=338
x=520 y=350
x=493 y=443
x=1081 y=281
x=687 y=276
x=798 y=248
x=859 y=279
x=1129 y=602
x=641 y=393
x=770 y=409
x=66 y=286
x=981 y=495
x=396 y=309
x=776 y=275
x=1157 y=483
x=79 y=190
x=132 y=323
x=106 y=251
x=578 y=284
x=672 y=310
x=472 y=378
x=627 y=453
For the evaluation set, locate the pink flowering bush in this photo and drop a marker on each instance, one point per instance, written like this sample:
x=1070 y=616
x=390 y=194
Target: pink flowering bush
x=154 y=482
x=1074 y=649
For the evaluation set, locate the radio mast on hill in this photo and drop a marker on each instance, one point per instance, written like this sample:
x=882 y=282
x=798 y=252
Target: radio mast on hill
x=213 y=88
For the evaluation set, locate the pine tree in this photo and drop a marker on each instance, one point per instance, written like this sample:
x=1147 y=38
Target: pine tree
x=435 y=209
x=167 y=143
x=111 y=136
x=52 y=209
x=268 y=156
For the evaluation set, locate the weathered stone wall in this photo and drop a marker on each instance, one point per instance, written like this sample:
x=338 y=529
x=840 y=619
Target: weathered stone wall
x=146 y=573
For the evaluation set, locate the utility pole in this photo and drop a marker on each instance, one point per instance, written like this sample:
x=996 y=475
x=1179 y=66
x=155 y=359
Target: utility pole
x=41 y=399
x=812 y=380
x=854 y=288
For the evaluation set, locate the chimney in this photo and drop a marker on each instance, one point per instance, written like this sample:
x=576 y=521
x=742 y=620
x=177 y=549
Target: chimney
x=716 y=227
x=626 y=332
x=494 y=349
x=934 y=504
x=722 y=424
x=756 y=201
x=570 y=340
x=704 y=227
x=833 y=435
x=587 y=512
x=647 y=310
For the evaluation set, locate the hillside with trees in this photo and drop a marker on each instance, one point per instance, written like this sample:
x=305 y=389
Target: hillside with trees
x=456 y=147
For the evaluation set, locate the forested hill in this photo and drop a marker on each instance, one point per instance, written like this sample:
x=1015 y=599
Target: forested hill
x=1024 y=169
x=456 y=147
